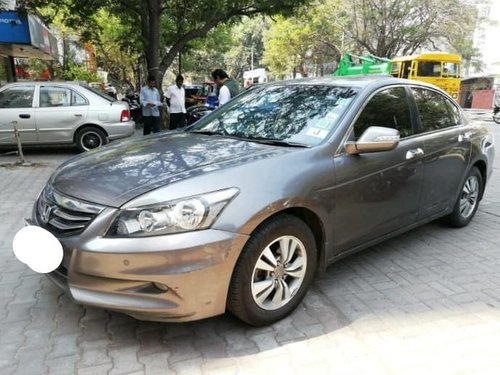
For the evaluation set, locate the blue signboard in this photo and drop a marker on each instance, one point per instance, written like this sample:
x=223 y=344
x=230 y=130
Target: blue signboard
x=14 y=28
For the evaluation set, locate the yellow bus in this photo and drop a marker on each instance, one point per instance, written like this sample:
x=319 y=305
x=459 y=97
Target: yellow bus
x=439 y=68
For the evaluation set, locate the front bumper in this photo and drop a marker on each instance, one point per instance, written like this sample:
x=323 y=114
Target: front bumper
x=179 y=277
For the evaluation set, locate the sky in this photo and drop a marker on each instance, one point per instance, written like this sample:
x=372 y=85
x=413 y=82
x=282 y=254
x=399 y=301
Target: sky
x=490 y=47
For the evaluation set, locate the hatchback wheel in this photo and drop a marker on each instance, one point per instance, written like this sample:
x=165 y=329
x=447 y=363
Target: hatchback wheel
x=89 y=138
x=273 y=272
x=468 y=200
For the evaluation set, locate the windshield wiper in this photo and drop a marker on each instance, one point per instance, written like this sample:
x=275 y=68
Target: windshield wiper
x=277 y=142
x=208 y=132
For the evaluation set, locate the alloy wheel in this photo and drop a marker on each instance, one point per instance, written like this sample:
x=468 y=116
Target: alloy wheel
x=279 y=272
x=469 y=196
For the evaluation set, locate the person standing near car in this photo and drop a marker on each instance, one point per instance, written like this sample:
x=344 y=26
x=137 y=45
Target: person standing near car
x=151 y=103
x=228 y=87
x=176 y=99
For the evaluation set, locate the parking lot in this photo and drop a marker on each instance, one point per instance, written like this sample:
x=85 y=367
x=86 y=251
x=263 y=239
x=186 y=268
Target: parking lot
x=426 y=302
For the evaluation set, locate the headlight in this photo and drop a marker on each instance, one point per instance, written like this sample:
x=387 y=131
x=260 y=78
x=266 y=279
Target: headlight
x=183 y=215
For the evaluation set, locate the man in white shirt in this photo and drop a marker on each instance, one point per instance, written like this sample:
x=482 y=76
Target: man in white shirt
x=176 y=99
x=150 y=102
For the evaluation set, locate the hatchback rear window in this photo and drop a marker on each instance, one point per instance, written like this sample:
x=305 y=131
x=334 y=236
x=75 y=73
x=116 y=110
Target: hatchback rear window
x=100 y=93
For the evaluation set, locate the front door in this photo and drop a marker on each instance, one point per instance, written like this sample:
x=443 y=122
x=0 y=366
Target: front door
x=16 y=111
x=378 y=193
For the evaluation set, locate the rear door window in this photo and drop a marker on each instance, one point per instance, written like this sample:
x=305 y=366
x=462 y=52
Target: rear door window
x=433 y=109
x=60 y=97
x=55 y=96
x=77 y=99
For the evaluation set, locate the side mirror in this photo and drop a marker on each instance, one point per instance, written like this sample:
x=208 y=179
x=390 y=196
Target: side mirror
x=374 y=139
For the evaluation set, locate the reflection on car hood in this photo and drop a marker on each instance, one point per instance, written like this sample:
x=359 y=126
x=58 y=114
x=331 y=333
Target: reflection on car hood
x=117 y=173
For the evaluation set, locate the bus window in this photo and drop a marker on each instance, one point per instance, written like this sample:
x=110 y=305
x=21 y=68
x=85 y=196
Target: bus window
x=395 y=69
x=429 y=68
x=450 y=70
x=406 y=69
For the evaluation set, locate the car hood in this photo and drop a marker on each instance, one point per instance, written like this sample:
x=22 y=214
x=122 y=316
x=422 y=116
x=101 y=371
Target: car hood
x=118 y=173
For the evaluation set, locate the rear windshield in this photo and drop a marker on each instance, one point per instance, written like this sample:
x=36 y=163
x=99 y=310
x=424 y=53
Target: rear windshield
x=100 y=93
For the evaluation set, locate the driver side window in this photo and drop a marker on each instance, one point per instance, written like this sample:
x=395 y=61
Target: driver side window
x=388 y=108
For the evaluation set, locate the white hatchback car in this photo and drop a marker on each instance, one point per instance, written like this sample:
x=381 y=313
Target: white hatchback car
x=61 y=113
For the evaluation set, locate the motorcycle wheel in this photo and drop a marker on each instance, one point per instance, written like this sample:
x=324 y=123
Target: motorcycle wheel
x=496 y=117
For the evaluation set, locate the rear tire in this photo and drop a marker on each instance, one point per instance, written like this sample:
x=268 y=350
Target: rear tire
x=88 y=138
x=468 y=200
x=273 y=272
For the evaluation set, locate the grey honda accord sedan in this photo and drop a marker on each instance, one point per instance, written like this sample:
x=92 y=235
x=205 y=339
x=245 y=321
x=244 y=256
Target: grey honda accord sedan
x=239 y=211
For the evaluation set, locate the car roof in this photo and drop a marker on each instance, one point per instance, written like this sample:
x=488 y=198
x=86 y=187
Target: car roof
x=352 y=81
x=362 y=81
x=45 y=83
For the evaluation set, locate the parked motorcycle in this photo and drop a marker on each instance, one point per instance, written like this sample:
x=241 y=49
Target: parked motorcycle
x=496 y=114
x=195 y=112
x=132 y=98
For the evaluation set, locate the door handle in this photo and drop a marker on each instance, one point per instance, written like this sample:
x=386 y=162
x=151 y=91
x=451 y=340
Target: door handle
x=78 y=115
x=410 y=154
x=24 y=115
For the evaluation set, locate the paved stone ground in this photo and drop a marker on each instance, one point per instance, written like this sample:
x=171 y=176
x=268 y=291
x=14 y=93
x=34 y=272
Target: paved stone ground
x=426 y=302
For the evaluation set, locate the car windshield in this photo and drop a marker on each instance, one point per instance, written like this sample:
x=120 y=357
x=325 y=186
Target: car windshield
x=294 y=114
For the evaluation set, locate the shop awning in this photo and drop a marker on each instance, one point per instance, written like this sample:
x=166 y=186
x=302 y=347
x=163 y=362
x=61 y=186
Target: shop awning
x=25 y=36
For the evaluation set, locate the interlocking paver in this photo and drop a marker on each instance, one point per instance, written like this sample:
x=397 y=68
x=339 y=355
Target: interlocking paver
x=155 y=364
x=125 y=360
x=62 y=365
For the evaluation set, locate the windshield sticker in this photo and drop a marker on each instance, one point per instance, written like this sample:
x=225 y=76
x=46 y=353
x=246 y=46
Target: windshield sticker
x=317 y=132
x=323 y=123
x=341 y=102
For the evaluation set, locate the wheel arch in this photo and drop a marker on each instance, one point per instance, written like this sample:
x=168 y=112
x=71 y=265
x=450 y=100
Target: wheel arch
x=89 y=125
x=241 y=299
x=481 y=166
x=315 y=224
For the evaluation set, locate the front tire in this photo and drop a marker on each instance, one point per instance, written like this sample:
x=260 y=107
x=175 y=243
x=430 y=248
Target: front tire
x=496 y=117
x=273 y=272
x=88 y=138
x=468 y=200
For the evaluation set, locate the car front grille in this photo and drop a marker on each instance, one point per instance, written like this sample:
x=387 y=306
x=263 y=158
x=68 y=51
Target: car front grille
x=62 y=215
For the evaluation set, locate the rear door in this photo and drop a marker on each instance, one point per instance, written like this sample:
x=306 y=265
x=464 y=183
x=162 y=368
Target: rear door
x=16 y=110
x=378 y=193
x=59 y=112
x=447 y=149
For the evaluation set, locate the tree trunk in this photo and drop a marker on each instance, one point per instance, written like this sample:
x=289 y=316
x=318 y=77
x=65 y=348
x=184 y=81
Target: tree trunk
x=150 y=29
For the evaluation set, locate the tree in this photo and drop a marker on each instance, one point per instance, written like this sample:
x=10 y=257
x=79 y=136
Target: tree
x=202 y=55
x=458 y=31
x=309 y=40
x=167 y=26
x=117 y=52
x=248 y=45
x=403 y=27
